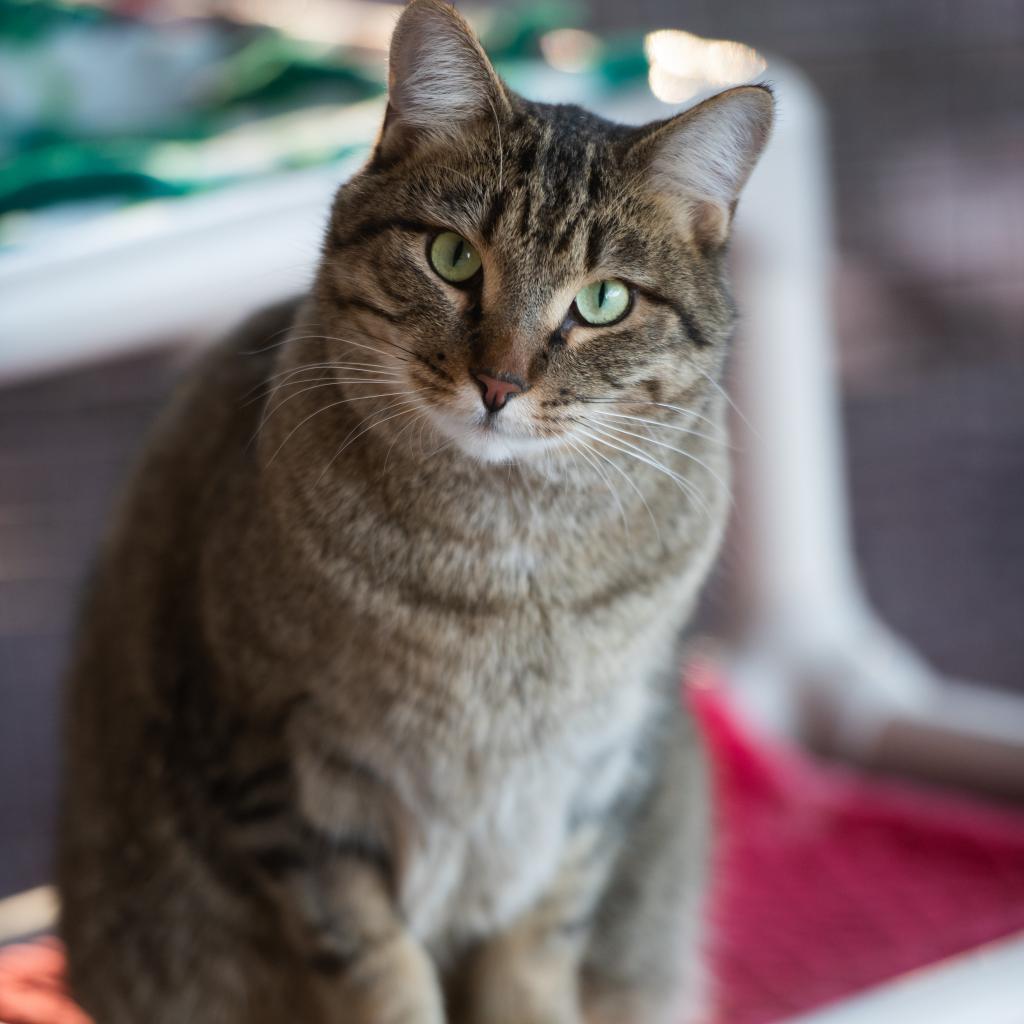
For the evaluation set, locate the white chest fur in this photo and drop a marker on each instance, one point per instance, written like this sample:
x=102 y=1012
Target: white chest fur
x=476 y=870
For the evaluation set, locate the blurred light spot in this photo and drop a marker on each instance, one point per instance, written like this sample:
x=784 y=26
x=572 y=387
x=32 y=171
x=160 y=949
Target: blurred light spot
x=365 y=24
x=683 y=65
x=570 y=49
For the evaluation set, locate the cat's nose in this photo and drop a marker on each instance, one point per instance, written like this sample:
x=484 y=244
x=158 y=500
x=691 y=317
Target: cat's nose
x=497 y=388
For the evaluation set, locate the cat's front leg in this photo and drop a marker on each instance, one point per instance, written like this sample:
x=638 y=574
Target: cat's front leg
x=339 y=893
x=528 y=973
x=364 y=966
x=525 y=975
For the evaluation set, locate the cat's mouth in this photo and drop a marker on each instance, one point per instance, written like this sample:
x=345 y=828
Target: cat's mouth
x=491 y=437
x=492 y=425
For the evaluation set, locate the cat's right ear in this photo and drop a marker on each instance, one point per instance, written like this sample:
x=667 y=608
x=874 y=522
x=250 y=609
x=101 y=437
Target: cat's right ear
x=701 y=159
x=439 y=80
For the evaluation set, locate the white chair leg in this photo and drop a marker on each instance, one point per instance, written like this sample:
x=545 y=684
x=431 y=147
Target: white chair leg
x=814 y=647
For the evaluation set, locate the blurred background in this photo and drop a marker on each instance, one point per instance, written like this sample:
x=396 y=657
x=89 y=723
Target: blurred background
x=925 y=108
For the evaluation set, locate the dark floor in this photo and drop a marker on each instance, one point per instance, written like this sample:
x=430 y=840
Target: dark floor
x=65 y=444
x=926 y=99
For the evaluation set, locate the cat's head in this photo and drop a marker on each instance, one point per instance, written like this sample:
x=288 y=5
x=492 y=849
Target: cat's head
x=515 y=266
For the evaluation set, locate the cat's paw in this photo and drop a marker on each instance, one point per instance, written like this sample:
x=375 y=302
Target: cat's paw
x=394 y=983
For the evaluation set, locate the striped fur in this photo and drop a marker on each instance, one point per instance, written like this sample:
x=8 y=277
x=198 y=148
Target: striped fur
x=372 y=718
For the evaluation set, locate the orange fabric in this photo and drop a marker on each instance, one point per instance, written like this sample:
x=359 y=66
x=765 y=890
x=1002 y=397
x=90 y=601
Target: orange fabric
x=32 y=989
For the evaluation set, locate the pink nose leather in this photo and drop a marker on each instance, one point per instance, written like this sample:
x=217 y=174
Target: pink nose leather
x=496 y=391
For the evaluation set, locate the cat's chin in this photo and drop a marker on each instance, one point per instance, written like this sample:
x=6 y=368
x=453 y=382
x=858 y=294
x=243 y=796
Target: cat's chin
x=490 y=443
x=494 y=448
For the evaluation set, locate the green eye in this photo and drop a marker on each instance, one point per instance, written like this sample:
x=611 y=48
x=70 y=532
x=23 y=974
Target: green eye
x=603 y=302
x=453 y=257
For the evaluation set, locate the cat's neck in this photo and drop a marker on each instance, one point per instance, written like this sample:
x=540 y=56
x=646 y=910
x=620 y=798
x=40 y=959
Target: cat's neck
x=561 y=508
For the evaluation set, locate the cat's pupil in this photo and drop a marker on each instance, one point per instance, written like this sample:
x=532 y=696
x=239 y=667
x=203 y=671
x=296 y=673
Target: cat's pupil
x=600 y=293
x=457 y=255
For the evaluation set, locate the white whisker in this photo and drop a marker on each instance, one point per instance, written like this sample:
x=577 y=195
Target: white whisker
x=324 y=382
x=725 y=394
x=666 y=426
x=273 y=383
x=586 y=452
x=685 y=486
x=412 y=422
x=682 y=410
x=268 y=348
x=334 y=365
x=678 y=451
x=370 y=348
x=444 y=444
x=419 y=436
x=403 y=410
x=333 y=405
x=360 y=332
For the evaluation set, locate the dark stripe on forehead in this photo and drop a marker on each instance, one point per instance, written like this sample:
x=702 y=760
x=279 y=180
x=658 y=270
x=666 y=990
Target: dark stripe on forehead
x=595 y=182
x=527 y=158
x=564 y=161
x=572 y=206
x=565 y=238
x=494 y=214
x=525 y=211
x=535 y=185
x=686 y=318
x=595 y=243
x=630 y=246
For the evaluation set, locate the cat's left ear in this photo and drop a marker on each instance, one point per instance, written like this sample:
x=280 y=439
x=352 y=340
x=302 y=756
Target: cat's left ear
x=701 y=159
x=439 y=80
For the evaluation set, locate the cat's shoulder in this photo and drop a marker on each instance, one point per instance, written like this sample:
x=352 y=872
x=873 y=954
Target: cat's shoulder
x=221 y=386
x=246 y=355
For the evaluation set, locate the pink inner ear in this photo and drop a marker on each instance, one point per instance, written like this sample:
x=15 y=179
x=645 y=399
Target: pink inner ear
x=710 y=222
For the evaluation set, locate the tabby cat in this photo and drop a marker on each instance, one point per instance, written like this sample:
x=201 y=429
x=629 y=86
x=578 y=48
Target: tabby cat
x=373 y=717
